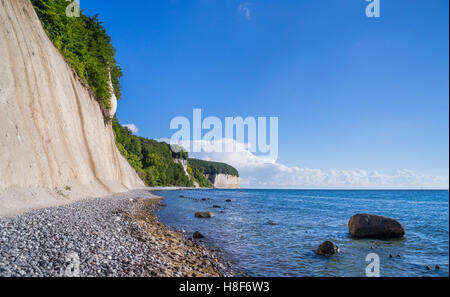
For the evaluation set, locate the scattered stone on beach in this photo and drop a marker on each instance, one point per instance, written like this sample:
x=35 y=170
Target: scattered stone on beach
x=204 y=215
x=373 y=226
x=228 y=200
x=428 y=267
x=197 y=235
x=327 y=249
x=272 y=223
x=217 y=206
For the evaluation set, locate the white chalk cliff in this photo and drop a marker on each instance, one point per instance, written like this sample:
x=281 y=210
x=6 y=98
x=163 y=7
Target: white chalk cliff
x=54 y=144
x=223 y=181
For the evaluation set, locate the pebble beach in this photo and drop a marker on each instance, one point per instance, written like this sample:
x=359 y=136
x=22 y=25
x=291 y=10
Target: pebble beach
x=115 y=236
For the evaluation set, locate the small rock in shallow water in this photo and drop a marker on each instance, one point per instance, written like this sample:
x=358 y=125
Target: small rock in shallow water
x=272 y=223
x=228 y=200
x=438 y=267
x=216 y=206
x=427 y=267
x=327 y=249
x=197 y=235
x=204 y=199
x=204 y=215
x=390 y=256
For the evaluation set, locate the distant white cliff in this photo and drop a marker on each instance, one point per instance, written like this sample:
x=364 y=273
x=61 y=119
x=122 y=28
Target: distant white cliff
x=224 y=181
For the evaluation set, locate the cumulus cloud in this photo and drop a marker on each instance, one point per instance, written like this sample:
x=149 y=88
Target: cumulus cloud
x=261 y=172
x=244 y=10
x=132 y=128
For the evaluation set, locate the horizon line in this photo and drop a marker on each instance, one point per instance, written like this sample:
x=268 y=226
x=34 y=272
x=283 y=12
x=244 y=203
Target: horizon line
x=342 y=189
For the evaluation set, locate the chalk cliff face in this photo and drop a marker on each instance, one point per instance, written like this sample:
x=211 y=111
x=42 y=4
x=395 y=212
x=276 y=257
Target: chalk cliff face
x=224 y=181
x=54 y=143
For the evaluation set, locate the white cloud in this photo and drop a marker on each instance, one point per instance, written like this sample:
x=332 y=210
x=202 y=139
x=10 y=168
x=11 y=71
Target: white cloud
x=132 y=128
x=259 y=172
x=244 y=10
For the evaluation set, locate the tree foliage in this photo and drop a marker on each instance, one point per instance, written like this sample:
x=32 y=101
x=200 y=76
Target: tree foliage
x=200 y=178
x=207 y=167
x=85 y=44
x=154 y=161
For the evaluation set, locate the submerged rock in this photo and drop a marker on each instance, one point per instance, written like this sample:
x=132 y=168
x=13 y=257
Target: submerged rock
x=204 y=215
x=228 y=200
x=327 y=249
x=372 y=226
x=272 y=223
x=217 y=206
x=197 y=235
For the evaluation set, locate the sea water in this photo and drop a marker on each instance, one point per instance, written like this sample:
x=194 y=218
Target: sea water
x=275 y=232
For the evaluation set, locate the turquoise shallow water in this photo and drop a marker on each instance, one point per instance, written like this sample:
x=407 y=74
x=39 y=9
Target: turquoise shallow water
x=304 y=219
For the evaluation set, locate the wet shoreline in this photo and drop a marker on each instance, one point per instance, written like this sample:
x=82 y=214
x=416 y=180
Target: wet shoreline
x=277 y=232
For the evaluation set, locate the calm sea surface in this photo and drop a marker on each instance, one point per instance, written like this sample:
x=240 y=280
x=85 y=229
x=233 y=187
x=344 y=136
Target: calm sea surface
x=304 y=219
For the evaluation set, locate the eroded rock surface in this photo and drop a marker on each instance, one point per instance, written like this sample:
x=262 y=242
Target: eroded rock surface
x=55 y=145
x=373 y=226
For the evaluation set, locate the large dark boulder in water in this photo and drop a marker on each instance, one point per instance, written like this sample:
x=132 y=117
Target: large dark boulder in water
x=377 y=227
x=327 y=249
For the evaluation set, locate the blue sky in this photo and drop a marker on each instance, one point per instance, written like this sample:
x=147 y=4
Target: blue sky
x=351 y=93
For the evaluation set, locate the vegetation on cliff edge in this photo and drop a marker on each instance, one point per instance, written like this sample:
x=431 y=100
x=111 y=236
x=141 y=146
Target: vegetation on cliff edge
x=85 y=44
x=207 y=167
x=87 y=47
x=154 y=161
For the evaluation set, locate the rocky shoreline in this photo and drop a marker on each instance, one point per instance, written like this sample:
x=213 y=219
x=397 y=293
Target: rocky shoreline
x=115 y=236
